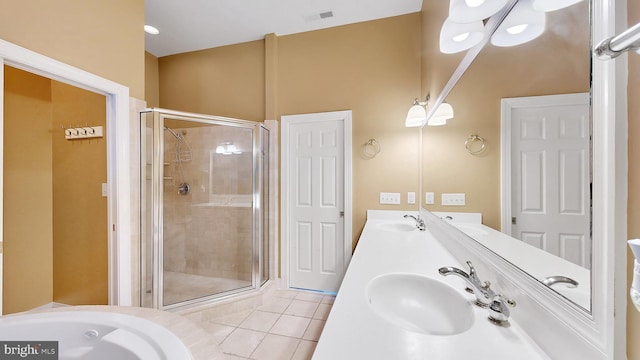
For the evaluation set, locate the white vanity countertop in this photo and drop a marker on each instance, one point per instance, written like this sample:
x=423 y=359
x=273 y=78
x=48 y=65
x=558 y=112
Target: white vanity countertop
x=353 y=331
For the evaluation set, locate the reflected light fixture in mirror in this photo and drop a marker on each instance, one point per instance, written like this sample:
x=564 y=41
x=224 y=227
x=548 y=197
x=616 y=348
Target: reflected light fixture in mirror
x=456 y=37
x=466 y=11
x=443 y=113
x=523 y=24
x=417 y=114
x=552 y=5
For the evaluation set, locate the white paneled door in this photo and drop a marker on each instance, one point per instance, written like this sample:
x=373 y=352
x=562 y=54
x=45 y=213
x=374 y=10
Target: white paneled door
x=550 y=174
x=314 y=199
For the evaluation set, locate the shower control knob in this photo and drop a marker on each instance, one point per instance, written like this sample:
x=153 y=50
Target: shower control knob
x=184 y=188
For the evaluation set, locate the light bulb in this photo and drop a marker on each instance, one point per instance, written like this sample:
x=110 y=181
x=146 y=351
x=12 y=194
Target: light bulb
x=461 y=37
x=523 y=24
x=515 y=30
x=474 y=3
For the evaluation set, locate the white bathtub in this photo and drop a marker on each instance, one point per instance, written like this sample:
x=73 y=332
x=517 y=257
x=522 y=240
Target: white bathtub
x=95 y=335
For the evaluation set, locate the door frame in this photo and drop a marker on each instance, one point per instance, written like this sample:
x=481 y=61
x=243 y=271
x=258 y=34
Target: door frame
x=118 y=157
x=285 y=122
x=507 y=106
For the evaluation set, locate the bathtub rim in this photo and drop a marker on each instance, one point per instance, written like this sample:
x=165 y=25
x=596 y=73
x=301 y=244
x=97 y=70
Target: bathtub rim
x=160 y=338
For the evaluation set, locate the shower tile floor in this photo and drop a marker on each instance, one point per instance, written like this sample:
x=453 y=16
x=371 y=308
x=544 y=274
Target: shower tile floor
x=180 y=286
x=286 y=327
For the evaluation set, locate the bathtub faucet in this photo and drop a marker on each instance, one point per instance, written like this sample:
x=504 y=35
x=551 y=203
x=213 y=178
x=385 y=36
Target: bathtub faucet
x=419 y=222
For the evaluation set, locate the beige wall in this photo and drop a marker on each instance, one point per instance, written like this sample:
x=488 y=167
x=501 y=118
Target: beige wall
x=104 y=37
x=527 y=70
x=372 y=68
x=27 y=276
x=225 y=81
x=55 y=225
x=80 y=245
x=633 y=214
x=151 y=80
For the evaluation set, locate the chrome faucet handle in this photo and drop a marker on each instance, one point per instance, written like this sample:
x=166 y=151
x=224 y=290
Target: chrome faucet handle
x=499 y=310
x=473 y=276
x=419 y=222
x=486 y=294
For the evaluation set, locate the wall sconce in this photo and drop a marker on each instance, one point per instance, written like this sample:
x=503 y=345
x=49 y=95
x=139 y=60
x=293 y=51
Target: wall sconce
x=443 y=113
x=523 y=24
x=417 y=114
x=456 y=37
x=552 y=5
x=227 y=149
x=467 y=11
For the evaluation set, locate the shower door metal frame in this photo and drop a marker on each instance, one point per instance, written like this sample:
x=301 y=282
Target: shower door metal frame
x=157 y=207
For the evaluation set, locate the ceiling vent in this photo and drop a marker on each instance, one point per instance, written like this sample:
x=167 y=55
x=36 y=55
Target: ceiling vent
x=320 y=16
x=326 y=14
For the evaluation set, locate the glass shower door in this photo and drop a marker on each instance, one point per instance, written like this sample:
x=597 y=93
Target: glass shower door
x=205 y=235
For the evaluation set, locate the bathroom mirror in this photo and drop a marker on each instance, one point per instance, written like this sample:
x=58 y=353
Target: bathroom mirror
x=525 y=79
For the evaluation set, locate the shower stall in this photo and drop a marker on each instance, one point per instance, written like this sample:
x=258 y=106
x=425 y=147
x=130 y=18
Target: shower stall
x=204 y=196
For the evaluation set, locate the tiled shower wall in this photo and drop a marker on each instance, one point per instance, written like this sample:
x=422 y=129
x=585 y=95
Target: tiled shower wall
x=209 y=231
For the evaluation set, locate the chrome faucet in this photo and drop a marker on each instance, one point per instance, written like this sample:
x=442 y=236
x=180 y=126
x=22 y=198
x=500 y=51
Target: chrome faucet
x=499 y=311
x=482 y=290
x=497 y=304
x=419 y=222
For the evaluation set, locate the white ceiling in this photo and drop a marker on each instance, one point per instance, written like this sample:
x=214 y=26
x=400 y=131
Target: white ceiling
x=188 y=25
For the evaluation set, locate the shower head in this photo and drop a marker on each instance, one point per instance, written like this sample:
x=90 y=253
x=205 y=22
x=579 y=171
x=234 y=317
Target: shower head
x=173 y=133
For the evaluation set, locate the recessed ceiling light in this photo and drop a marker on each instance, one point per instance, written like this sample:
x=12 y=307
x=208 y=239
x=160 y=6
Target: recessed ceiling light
x=151 y=30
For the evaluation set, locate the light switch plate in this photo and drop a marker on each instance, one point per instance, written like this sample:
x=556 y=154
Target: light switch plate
x=429 y=198
x=411 y=197
x=453 y=199
x=390 y=198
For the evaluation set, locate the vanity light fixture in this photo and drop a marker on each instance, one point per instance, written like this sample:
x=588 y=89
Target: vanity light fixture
x=457 y=37
x=151 y=30
x=468 y=11
x=552 y=5
x=417 y=114
x=227 y=149
x=443 y=113
x=523 y=24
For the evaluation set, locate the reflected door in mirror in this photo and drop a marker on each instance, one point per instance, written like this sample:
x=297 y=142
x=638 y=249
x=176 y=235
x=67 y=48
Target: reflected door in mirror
x=550 y=180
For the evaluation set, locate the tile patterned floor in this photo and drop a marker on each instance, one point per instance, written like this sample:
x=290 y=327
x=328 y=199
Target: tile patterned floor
x=286 y=327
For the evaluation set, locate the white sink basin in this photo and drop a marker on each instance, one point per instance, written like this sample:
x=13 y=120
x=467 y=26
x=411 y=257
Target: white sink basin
x=420 y=304
x=397 y=226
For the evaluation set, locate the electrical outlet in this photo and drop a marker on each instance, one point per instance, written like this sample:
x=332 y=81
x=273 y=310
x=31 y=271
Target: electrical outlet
x=453 y=199
x=390 y=198
x=429 y=198
x=411 y=197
